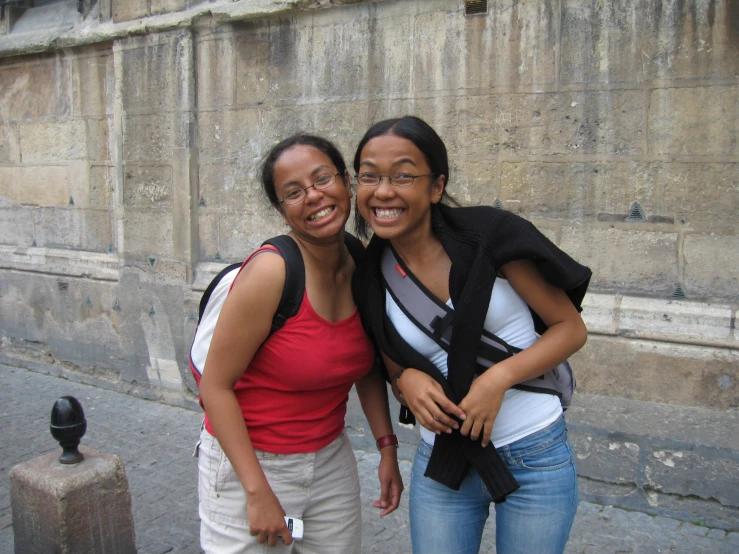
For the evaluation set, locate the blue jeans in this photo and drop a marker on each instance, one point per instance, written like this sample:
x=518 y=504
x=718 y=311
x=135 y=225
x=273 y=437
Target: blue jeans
x=535 y=519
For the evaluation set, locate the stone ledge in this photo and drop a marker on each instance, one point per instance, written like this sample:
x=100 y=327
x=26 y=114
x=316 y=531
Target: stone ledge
x=683 y=321
x=91 y=30
x=56 y=261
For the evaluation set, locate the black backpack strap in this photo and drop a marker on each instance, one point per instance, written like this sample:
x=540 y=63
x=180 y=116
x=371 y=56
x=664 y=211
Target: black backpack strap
x=292 y=292
x=213 y=284
x=355 y=247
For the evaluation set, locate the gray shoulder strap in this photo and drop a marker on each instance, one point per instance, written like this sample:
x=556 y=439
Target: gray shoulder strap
x=429 y=314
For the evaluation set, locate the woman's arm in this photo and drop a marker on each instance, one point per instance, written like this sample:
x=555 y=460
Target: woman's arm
x=243 y=324
x=372 y=394
x=565 y=335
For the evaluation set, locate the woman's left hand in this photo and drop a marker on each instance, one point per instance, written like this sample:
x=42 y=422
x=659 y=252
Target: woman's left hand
x=482 y=405
x=391 y=483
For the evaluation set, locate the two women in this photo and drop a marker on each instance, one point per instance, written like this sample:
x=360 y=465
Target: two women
x=277 y=401
x=491 y=432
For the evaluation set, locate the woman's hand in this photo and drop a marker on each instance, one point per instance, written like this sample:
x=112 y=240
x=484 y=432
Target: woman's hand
x=426 y=399
x=266 y=517
x=391 y=483
x=482 y=405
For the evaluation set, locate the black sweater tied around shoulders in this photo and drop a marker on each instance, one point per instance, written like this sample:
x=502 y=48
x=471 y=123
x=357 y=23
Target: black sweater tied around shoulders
x=479 y=241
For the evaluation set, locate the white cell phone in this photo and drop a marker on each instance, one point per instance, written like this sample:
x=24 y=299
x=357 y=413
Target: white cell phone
x=295 y=526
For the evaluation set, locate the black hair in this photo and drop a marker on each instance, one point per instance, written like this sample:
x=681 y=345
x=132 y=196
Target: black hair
x=320 y=144
x=423 y=136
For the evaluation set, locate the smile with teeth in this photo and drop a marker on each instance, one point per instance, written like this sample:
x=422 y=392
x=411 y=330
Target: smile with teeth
x=387 y=213
x=320 y=215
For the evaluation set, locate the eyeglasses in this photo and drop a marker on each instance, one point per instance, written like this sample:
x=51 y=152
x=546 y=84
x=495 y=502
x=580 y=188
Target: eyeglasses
x=396 y=179
x=322 y=182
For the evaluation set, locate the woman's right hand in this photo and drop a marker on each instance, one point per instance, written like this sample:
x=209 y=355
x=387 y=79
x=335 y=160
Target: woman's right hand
x=426 y=399
x=267 y=518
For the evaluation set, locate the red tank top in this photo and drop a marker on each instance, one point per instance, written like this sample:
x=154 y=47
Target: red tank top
x=293 y=394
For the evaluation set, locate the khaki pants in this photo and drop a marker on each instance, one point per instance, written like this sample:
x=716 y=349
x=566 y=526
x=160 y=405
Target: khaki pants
x=321 y=488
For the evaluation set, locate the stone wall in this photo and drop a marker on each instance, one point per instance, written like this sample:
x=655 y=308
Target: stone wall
x=130 y=141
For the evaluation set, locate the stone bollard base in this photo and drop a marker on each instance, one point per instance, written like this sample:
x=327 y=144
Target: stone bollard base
x=84 y=507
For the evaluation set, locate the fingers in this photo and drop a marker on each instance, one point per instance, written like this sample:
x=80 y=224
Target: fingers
x=394 y=500
x=271 y=537
x=477 y=428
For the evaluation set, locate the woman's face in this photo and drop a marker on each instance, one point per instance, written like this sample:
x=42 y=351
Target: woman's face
x=397 y=212
x=322 y=213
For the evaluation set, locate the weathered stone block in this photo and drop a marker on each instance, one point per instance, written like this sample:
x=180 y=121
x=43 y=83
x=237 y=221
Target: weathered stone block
x=148 y=232
x=474 y=182
x=54 y=141
x=219 y=187
x=16 y=226
x=101 y=186
x=691 y=472
x=711 y=265
x=514 y=45
x=250 y=52
x=229 y=134
x=98 y=139
x=157 y=72
x=592 y=122
x=606 y=460
x=42 y=186
x=682 y=375
x=125 y=10
x=147 y=187
x=35 y=90
x=208 y=234
x=83 y=507
x=638 y=41
x=93 y=85
x=168 y=6
x=73 y=228
x=667 y=192
x=694 y=121
x=148 y=138
x=216 y=76
x=625 y=260
x=240 y=235
x=10 y=151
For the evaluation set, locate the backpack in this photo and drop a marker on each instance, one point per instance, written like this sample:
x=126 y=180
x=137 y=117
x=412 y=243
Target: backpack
x=436 y=320
x=216 y=292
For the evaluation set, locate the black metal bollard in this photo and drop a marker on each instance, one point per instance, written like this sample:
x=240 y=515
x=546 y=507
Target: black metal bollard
x=68 y=426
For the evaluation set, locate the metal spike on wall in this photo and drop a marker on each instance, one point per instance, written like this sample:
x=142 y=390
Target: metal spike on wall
x=152 y=261
x=217 y=257
x=116 y=306
x=152 y=311
x=192 y=316
x=71 y=201
x=636 y=213
x=679 y=293
x=498 y=204
x=111 y=249
x=88 y=302
x=34 y=243
x=202 y=202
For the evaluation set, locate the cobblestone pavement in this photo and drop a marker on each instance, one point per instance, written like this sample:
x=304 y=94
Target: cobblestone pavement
x=155 y=442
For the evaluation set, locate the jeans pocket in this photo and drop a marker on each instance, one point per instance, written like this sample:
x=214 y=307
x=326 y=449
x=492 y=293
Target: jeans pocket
x=555 y=456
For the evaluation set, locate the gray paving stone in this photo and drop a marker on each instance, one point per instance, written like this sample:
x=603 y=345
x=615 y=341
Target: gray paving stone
x=156 y=442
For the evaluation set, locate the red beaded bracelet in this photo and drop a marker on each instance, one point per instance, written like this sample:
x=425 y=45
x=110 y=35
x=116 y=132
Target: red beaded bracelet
x=387 y=440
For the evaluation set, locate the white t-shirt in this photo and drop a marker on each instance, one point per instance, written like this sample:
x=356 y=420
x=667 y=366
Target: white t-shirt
x=522 y=412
